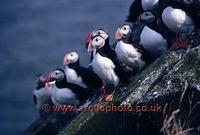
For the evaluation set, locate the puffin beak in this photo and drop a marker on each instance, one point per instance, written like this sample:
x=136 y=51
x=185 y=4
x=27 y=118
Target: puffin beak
x=88 y=38
x=48 y=79
x=65 y=61
x=46 y=86
x=118 y=35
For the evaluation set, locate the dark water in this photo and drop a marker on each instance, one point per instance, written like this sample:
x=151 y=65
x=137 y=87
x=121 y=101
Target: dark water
x=34 y=36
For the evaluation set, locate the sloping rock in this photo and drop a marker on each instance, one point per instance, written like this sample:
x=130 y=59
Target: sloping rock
x=172 y=81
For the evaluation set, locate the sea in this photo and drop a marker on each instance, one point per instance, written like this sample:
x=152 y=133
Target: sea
x=34 y=37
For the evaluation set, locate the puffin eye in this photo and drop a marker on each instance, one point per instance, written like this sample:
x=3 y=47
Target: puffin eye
x=124 y=28
x=98 y=32
x=71 y=54
x=96 y=40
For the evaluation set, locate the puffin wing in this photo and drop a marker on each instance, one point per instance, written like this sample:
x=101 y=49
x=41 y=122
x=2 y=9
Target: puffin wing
x=133 y=54
x=108 y=64
x=91 y=79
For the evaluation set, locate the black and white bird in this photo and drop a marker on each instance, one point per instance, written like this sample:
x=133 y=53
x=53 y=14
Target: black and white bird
x=106 y=65
x=148 y=36
x=40 y=95
x=181 y=16
x=139 y=6
x=79 y=75
x=126 y=52
x=65 y=93
x=95 y=32
x=178 y=20
x=155 y=22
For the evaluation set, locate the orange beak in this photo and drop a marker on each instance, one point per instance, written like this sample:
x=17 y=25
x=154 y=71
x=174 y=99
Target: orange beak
x=88 y=38
x=48 y=79
x=65 y=61
x=118 y=35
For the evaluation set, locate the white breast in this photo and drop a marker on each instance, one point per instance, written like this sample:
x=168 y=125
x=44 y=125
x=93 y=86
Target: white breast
x=72 y=77
x=42 y=96
x=149 y=4
x=153 y=42
x=63 y=97
x=127 y=54
x=177 y=20
x=104 y=68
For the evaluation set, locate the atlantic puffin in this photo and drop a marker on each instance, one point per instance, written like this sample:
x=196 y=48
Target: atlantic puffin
x=148 y=36
x=79 y=75
x=106 y=65
x=95 y=32
x=178 y=20
x=155 y=22
x=126 y=52
x=139 y=6
x=40 y=95
x=65 y=93
x=181 y=17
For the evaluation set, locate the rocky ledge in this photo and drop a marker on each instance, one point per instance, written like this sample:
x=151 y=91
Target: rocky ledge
x=172 y=82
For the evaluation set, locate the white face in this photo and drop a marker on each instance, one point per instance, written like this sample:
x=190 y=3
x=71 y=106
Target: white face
x=57 y=75
x=97 y=42
x=125 y=30
x=101 y=33
x=71 y=57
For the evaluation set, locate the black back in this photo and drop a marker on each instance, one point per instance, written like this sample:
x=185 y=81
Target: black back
x=81 y=93
x=137 y=30
x=134 y=11
x=89 y=77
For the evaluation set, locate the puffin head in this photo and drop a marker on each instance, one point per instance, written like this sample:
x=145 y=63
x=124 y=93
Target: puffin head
x=123 y=31
x=56 y=75
x=146 y=17
x=40 y=78
x=94 y=33
x=71 y=57
x=97 y=42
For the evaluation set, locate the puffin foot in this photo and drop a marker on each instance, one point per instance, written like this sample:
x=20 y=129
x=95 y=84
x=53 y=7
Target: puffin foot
x=109 y=98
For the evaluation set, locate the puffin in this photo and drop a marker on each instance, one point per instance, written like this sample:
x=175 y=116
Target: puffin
x=147 y=35
x=126 y=51
x=181 y=17
x=65 y=93
x=139 y=6
x=154 y=22
x=79 y=75
x=40 y=95
x=106 y=65
x=95 y=32
x=178 y=20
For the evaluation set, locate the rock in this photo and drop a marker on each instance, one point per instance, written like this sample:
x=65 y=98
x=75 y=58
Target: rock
x=51 y=124
x=172 y=82
x=163 y=82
